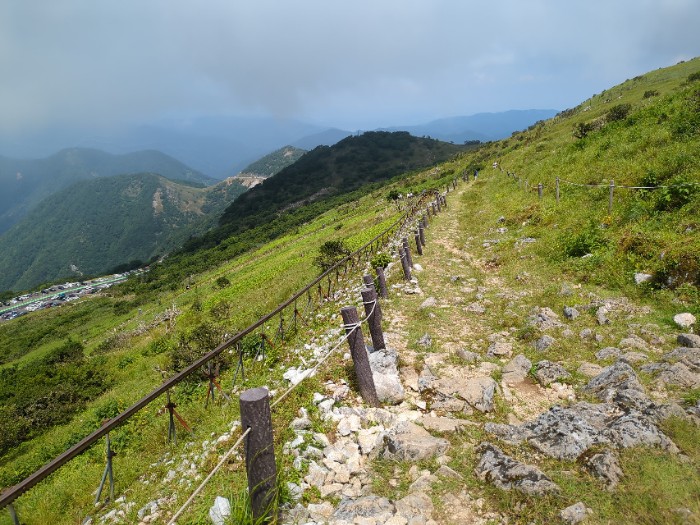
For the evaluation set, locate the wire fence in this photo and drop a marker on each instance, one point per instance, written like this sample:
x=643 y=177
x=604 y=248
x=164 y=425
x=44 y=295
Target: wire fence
x=278 y=399
x=610 y=186
x=323 y=285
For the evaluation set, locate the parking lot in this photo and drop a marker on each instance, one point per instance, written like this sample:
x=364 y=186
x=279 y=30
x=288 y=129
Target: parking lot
x=58 y=295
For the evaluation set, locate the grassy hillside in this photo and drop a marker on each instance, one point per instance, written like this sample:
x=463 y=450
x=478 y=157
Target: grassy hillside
x=26 y=182
x=97 y=224
x=642 y=133
x=272 y=163
x=498 y=253
x=129 y=338
x=328 y=171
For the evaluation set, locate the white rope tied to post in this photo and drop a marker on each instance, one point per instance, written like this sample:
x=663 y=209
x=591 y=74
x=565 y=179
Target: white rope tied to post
x=206 y=480
x=352 y=327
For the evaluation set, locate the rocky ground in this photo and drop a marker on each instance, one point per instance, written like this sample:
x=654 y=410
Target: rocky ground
x=465 y=384
x=494 y=383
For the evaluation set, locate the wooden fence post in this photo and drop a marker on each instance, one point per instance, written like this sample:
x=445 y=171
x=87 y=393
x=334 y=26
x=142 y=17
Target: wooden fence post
x=421 y=234
x=383 y=292
x=259 y=450
x=373 y=312
x=539 y=191
x=610 y=198
x=404 y=264
x=419 y=246
x=556 y=190
x=363 y=372
x=407 y=251
x=439 y=204
x=368 y=280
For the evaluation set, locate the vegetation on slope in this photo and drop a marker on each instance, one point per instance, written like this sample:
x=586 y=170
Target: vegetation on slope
x=624 y=147
x=97 y=224
x=327 y=171
x=26 y=182
x=273 y=163
x=643 y=133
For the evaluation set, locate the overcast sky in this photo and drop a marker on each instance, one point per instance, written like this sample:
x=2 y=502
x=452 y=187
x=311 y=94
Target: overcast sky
x=354 y=64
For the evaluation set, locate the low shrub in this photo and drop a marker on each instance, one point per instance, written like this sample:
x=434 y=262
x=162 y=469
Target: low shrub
x=586 y=241
x=618 y=112
x=330 y=253
x=380 y=260
x=47 y=392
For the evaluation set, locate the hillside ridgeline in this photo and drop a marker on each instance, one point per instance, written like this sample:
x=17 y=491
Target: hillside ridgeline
x=26 y=182
x=332 y=170
x=527 y=325
x=97 y=224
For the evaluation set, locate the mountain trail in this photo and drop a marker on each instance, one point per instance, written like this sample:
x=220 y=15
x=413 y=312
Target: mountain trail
x=426 y=456
x=494 y=407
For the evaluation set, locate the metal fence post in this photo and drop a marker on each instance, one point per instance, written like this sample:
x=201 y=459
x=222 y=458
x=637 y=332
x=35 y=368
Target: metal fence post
x=363 y=372
x=107 y=473
x=13 y=514
x=259 y=450
x=374 y=317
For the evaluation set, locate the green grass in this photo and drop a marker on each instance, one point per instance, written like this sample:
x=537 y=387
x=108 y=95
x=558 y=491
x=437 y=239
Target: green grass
x=280 y=268
x=644 y=233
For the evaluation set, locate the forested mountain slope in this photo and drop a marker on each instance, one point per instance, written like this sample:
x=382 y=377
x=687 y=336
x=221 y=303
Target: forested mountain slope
x=26 y=182
x=95 y=225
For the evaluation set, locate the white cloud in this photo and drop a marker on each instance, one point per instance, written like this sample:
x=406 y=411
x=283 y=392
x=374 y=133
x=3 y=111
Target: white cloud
x=363 y=61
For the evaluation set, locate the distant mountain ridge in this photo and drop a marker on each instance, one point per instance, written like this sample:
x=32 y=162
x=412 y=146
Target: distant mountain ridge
x=221 y=146
x=331 y=170
x=273 y=163
x=94 y=225
x=481 y=126
x=25 y=182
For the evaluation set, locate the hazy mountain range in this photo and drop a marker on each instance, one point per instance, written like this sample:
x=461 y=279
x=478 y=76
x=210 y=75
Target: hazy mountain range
x=482 y=126
x=222 y=146
x=24 y=183
x=88 y=210
x=96 y=224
